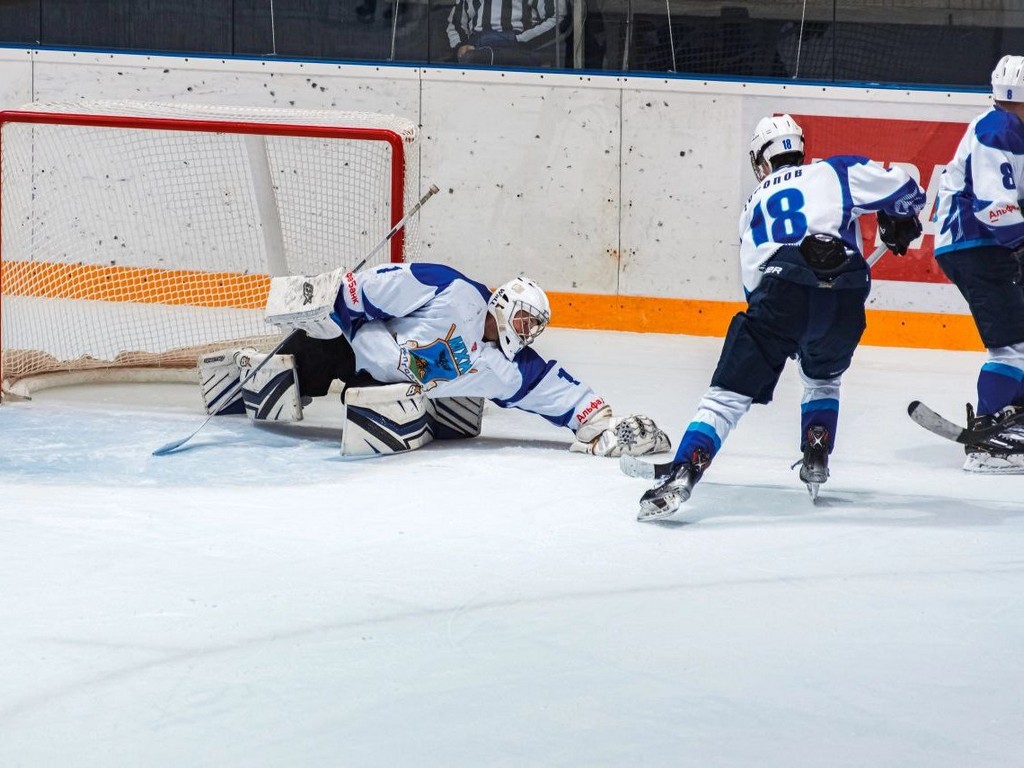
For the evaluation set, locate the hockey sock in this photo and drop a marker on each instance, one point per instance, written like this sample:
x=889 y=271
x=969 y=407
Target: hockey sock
x=999 y=385
x=819 y=412
x=698 y=435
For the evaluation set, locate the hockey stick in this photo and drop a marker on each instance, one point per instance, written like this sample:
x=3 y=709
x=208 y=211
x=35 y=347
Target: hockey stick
x=950 y=430
x=174 y=445
x=876 y=254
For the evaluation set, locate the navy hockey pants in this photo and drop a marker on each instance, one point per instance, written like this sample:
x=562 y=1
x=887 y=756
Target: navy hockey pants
x=784 y=318
x=318 y=362
x=990 y=279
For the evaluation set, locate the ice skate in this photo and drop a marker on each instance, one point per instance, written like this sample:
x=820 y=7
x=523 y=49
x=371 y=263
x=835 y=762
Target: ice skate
x=664 y=499
x=814 y=465
x=1001 y=454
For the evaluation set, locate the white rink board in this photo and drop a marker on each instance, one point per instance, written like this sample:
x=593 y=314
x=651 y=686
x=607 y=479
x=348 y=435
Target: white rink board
x=538 y=191
x=575 y=179
x=680 y=184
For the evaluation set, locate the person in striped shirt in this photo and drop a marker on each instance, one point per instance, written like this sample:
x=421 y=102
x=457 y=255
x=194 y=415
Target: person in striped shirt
x=510 y=32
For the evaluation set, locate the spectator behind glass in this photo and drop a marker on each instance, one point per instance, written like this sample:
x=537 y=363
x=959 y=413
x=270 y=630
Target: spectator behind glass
x=528 y=33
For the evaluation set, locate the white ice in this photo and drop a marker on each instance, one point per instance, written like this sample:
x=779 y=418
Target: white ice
x=256 y=601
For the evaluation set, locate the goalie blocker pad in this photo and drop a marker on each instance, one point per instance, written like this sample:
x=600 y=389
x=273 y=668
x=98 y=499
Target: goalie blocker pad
x=305 y=302
x=394 y=418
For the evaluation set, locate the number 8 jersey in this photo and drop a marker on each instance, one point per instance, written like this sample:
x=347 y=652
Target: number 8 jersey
x=823 y=198
x=978 y=193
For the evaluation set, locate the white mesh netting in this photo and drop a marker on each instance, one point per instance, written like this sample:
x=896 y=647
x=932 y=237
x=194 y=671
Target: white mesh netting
x=147 y=242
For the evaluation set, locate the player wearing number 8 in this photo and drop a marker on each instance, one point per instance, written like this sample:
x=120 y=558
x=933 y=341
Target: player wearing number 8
x=806 y=283
x=979 y=242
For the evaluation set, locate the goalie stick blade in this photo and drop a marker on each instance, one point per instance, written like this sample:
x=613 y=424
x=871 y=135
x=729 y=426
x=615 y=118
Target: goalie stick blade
x=163 y=450
x=174 y=445
x=943 y=427
x=633 y=466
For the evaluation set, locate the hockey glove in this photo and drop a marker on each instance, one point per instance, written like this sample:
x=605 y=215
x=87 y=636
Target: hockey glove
x=633 y=435
x=639 y=435
x=898 y=234
x=599 y=426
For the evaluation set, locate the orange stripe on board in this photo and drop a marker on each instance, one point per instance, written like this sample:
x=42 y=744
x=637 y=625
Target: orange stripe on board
x=135 y=284
x=637 y=314
x=711 y=318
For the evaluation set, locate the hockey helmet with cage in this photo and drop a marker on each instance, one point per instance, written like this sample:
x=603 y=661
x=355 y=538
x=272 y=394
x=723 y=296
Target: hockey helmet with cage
x=772 y=137
x=1008 y=79
x=522 y=311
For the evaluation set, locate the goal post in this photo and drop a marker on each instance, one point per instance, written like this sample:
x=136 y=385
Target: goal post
x=136 y=236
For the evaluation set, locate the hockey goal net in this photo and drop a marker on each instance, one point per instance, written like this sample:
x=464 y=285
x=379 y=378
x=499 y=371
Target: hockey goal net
x=136 y=236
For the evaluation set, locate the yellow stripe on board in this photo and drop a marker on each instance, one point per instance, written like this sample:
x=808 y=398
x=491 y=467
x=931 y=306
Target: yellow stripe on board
x=139 y=285
x=711 y=318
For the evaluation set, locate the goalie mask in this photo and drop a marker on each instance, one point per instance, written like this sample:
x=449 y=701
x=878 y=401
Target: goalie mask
x=521 y=310
x=772 y=137
x=1008 y=79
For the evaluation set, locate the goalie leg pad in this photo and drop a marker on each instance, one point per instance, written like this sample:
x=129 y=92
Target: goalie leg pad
x=391 y=418
x=218 y=375
x=272 y=394
x=307 y=303
x=456 y=418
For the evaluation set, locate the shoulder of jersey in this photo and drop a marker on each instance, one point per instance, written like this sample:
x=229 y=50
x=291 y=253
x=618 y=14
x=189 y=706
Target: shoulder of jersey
x=1001 y=130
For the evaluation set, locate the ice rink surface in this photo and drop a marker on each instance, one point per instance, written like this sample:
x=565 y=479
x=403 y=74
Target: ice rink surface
x=256 y=601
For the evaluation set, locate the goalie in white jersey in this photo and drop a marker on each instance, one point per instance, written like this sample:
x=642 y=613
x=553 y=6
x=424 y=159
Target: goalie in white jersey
x=444 y=342
x=806 y=283
x=979 y=243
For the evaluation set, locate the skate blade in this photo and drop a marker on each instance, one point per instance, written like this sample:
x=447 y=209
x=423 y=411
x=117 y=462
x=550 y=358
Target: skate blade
x=812 y=489
x=988 y=470
x=651 y=513
x=669 y=505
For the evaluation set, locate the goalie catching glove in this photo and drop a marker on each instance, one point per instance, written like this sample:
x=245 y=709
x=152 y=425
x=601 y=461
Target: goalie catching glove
x=898 y=234
x=606 y=435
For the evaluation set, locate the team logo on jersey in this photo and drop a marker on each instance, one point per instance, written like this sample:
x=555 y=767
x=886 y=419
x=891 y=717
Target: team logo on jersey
x=441 y=360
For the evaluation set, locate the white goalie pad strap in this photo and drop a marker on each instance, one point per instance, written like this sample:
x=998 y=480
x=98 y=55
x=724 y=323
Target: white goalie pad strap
x=218 y=375
x=272 y=394
x=305 y=302
x=392 y=418
x=457 y=417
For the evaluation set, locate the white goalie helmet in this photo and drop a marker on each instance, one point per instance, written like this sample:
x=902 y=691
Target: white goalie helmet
x=522 y=311
x=1008 y=79
x=774 y=136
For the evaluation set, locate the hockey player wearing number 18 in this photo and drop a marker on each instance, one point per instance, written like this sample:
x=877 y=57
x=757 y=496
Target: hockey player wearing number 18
x=418 y=340
x=979 y=244
x=806 y=283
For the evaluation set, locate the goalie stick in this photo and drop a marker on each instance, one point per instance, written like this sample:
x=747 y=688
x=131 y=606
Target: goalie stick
x=943 y=427
x=175 y=445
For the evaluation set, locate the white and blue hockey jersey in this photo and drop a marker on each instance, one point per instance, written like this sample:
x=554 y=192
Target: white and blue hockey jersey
x=825 y=197
x=978 y=200
x=424 y=323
